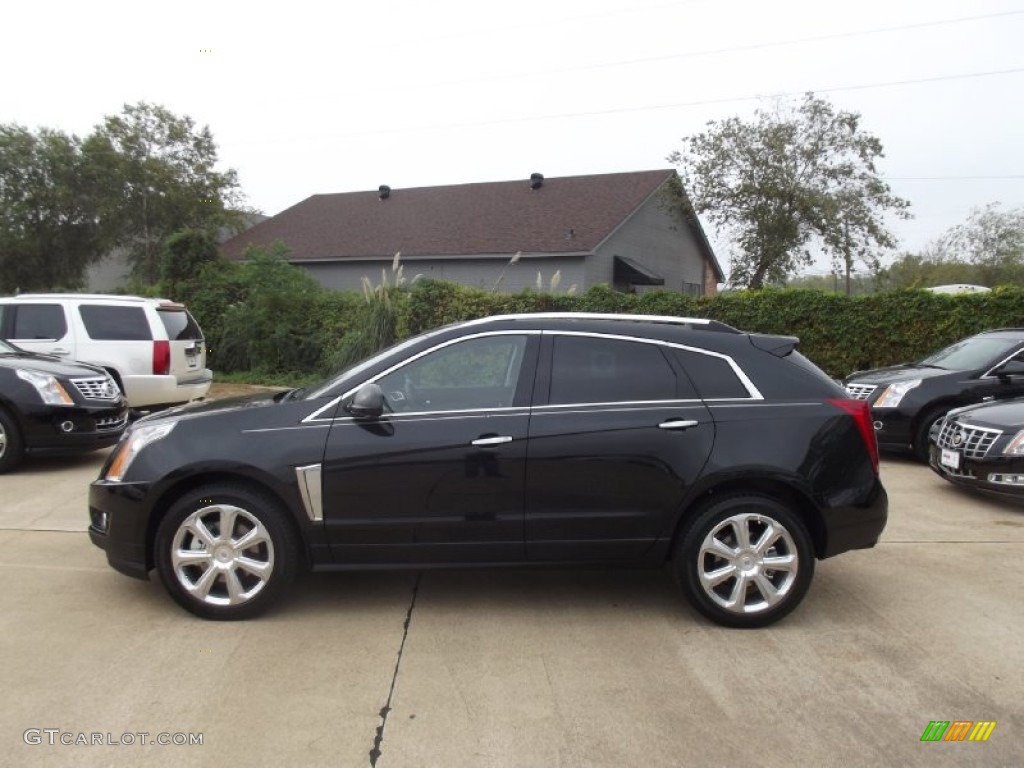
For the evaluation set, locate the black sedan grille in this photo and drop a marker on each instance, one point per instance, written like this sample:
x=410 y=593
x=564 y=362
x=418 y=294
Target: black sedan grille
x=973 y=442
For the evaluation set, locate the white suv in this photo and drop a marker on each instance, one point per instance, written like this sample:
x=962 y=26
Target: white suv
x=153 y=348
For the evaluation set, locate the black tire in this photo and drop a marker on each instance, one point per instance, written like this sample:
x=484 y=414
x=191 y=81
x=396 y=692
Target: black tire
x=12 y=449
x=763 y=595
x=920 y=445
x=234 y=588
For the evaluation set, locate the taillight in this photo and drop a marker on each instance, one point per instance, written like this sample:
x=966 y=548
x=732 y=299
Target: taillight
x=161 y=358
x=861 y=413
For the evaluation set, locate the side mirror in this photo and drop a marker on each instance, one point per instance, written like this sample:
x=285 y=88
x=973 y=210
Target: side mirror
x=367 y=403
x=1010 y=368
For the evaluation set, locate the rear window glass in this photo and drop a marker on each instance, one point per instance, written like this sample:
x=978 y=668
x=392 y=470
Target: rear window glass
x=589 y=370
x=39 y=321
x=104 y=323
x=713 y=376
x=180 y=325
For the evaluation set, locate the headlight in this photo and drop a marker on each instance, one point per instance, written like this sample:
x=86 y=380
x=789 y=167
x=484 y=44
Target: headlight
x=1016 y=446
x=137 y=439
x=47 y=386
x=893 y=394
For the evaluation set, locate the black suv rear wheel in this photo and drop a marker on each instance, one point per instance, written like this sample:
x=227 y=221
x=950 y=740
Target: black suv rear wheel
x=745 y=560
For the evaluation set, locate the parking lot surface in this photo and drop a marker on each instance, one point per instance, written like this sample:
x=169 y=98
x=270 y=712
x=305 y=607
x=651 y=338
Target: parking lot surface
x=515 y=668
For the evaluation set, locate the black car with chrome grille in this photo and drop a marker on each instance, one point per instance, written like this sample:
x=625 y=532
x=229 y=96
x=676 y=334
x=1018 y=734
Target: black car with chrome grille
x=908 y=400
x=982 y=447
x=50 y=406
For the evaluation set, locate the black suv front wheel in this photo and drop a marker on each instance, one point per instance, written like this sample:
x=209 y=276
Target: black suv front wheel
x=745 y=560
x=226 y=551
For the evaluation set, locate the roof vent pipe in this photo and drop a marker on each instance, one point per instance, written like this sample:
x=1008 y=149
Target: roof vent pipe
x=384 y=191
x=536 y=180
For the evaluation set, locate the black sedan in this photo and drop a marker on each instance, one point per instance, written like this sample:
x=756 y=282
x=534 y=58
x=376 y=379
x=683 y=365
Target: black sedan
x=908 y=400
x=529 y=440
x=49 y=406
x=982 y=447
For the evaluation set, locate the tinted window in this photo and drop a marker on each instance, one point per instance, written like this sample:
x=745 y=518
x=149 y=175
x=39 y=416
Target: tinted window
x=180 y=325
x=591 y=370
x=39 y=321
x=477 y=373
x=115 y=323
x=713 y=376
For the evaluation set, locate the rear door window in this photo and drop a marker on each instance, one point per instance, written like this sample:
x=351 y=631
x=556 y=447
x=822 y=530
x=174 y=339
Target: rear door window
x=39 y=321
x=104 y=323
x=598 y=370
x=180 y=325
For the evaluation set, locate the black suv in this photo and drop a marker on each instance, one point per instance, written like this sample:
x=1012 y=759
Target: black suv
x=908 y=400
x=517 y=440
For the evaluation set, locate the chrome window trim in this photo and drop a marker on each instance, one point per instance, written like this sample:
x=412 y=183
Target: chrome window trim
x=311 y=490
x=754 y=394
x=753 y=391
x=479 y=413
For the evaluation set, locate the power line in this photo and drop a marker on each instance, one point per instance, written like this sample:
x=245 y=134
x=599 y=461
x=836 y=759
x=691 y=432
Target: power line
x=702 y=53
x=648 y=108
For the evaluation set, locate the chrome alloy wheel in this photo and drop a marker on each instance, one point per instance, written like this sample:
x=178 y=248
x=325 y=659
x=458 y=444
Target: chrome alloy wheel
x=3 y=440
x=222 y=555
x=748 y=563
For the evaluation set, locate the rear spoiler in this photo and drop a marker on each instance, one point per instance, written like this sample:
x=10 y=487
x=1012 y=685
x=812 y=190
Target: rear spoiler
x=780 y=346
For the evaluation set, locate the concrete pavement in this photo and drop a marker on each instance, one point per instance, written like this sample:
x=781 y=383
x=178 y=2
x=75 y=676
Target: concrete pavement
x=517 y=668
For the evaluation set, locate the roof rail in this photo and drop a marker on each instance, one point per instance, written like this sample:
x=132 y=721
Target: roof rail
x=713 y=325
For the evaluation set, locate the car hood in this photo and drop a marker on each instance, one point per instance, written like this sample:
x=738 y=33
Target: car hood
x=212 y=407
x=1007 y=415
x=896 y=373
x=55 y=366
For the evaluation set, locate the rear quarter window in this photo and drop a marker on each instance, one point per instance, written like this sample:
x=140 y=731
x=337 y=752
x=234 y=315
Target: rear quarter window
x=713 y=377
x=104 y=323
x=180 y=325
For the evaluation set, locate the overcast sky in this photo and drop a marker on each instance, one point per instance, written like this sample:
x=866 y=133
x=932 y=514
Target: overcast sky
x=307 y=98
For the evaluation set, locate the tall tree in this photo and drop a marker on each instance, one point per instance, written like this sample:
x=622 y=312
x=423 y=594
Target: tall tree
x=164 y=171
x=990 y=237
x=790 y=178
x=51 y=227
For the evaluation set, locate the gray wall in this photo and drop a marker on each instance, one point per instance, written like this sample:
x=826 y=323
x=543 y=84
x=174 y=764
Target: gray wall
x=661 y=242
x=476 y=272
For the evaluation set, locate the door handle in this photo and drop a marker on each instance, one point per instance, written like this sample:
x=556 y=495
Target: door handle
x=677 y=424
x=496 y=440
x=60 y=351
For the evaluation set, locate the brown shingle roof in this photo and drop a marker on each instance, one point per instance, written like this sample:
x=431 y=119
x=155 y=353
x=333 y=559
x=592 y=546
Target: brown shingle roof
x=486 y=218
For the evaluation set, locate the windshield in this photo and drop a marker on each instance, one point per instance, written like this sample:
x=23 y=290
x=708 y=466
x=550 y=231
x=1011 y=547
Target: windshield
x=975 y=352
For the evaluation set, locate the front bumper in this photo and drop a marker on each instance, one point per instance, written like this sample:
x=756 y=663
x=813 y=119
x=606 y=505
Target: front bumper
x=55 y=430
x=892 y=427
x=992 y=475
x=118 y=520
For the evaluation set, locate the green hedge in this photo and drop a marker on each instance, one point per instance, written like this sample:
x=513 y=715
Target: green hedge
x=269 y=317
x=840 y=334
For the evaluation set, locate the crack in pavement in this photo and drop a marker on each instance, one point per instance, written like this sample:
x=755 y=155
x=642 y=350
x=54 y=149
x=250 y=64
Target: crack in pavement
x=386 y=710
